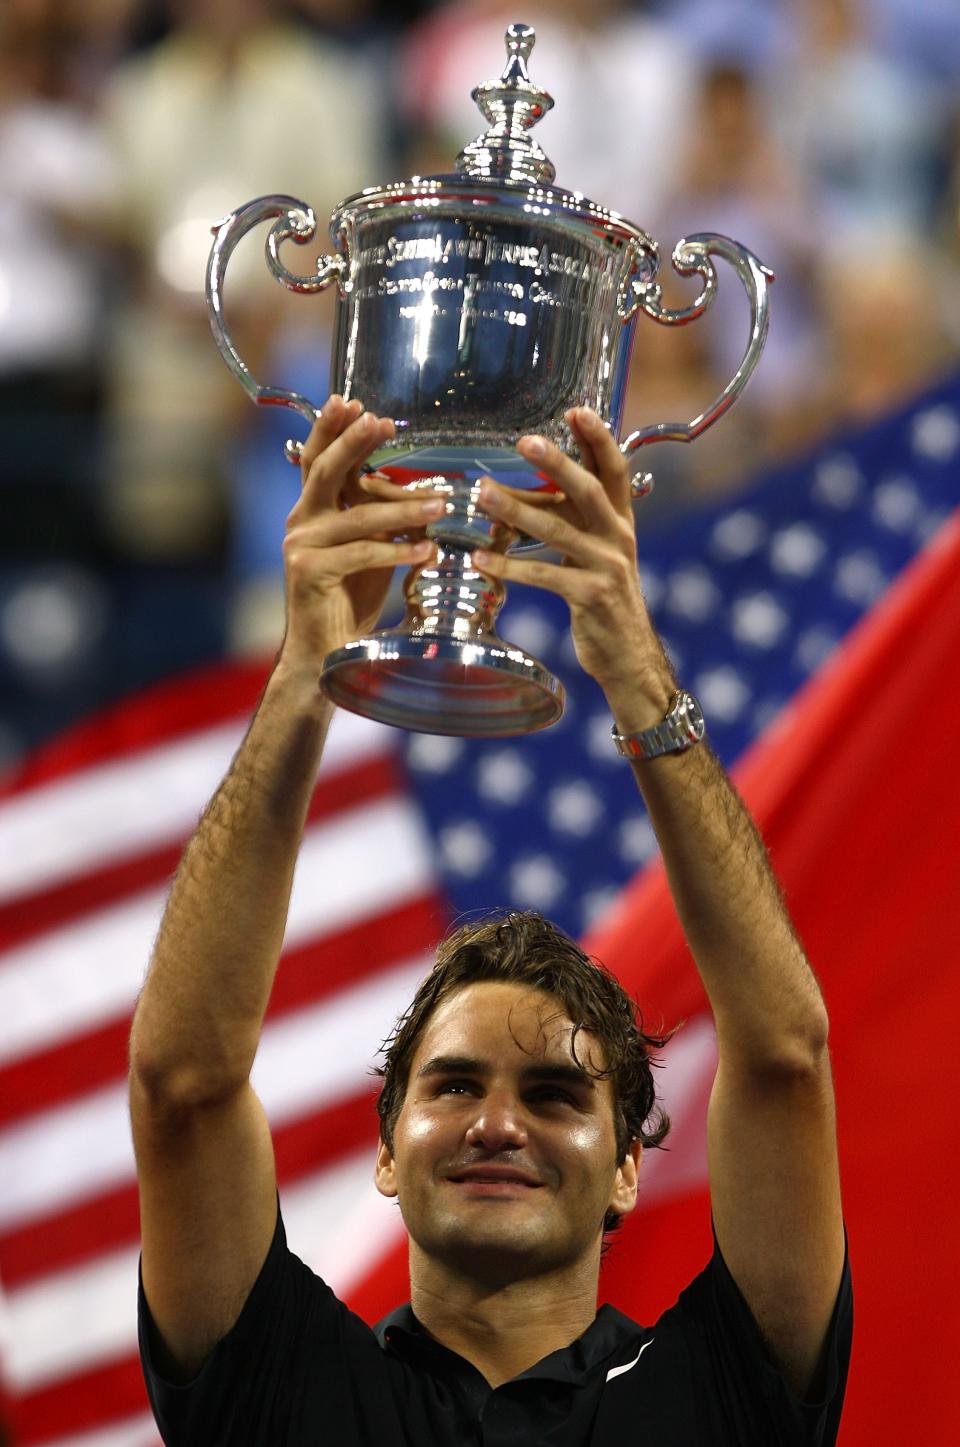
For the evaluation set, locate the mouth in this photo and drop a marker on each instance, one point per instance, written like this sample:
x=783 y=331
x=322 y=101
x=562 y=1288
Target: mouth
x=493 y=1188
x=495 y=1184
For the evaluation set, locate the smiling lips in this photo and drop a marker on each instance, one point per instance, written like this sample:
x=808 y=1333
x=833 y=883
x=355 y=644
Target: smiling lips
x=494 y=1179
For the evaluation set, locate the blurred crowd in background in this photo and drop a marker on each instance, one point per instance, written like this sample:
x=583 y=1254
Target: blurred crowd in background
x=143 y=496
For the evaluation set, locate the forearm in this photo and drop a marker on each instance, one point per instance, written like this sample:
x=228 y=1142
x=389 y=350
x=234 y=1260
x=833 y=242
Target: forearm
x=198 y=1020
x=765 y=998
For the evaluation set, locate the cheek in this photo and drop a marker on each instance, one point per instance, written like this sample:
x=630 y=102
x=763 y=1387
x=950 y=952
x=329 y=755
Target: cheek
x=419 y=1128
x=590 y=1134
x=592 y=1143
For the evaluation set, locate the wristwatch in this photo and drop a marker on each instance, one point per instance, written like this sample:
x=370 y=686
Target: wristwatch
x=682 y=728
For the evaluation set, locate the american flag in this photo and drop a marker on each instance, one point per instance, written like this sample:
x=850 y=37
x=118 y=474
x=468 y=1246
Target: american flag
x=404 y=833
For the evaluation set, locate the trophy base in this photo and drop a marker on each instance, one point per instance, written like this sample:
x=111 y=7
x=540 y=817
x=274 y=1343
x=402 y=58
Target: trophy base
x=477 y=687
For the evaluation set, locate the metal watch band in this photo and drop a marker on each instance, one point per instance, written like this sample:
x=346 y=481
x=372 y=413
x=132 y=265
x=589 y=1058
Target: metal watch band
x=682 y=728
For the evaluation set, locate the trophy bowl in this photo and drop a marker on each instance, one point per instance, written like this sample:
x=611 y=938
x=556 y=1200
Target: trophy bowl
x=473 y=308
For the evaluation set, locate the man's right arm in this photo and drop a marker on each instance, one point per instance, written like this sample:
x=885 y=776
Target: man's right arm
x=204 y=1154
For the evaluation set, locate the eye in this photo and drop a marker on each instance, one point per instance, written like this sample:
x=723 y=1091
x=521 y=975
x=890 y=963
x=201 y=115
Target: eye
x=554 y=1093
x=546 y=1094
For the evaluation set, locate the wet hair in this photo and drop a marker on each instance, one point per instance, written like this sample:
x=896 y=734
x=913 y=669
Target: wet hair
x=526 y=949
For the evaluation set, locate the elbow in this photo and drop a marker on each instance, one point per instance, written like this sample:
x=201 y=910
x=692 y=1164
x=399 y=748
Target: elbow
x=791 y=1056
x=805 y=1053
x=175 y=1066
x=179 y=1084
x=815 y=1041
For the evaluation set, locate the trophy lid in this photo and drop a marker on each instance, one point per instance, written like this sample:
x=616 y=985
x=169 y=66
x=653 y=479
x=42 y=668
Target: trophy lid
x=512 y=105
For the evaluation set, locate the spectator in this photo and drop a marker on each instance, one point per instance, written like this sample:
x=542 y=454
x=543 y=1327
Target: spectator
x=237 y=101
x=866 y=127
x=55 y=166
x=735 y=179
x=621 y=83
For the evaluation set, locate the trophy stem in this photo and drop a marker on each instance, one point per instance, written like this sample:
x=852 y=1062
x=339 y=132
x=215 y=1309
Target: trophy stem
x=445 y=670
x=450 y=597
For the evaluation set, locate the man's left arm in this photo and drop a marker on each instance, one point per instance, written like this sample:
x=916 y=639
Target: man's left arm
x=771 y=1142
x=771 y=1123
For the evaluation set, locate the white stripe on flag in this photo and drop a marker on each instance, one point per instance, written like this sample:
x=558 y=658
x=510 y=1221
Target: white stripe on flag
x=684 y=1085
x=74 y=1320
x=90 y=971
x=306 y=1061
x=111 y=811
x=324 y=1052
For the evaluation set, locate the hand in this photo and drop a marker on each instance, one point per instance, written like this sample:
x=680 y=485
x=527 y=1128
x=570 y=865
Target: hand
x=593 y=528
x=340 y=548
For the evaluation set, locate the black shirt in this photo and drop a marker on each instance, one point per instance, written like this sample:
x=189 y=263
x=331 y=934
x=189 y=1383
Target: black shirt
x=300 y=1370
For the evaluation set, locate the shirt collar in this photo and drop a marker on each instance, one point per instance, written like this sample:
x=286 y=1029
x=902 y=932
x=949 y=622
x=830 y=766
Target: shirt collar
x=404 y=1336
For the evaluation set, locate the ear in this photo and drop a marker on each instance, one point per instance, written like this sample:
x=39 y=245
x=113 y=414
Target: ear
x=384 y=1174
x=623 y=1197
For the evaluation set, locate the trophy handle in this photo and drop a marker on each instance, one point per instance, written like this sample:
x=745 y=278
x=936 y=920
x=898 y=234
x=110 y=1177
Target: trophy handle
x=297 y=223
x=692 y=255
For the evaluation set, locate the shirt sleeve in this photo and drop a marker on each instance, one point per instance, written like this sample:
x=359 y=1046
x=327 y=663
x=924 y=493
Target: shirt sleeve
x=293 y=1357
x=746 y=1398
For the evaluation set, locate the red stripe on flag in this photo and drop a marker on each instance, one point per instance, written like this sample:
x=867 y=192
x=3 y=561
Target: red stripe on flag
x=29 y=915
x=34 y=914
x=95 y=1398
x=171 y=710
x=49 y=1077
x=111 y=1221
x=307 y=974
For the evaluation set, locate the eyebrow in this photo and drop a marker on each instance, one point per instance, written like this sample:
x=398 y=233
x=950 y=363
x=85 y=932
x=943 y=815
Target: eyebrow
x=465 y=1065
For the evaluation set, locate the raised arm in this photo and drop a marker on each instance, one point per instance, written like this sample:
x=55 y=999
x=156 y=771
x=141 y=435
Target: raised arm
x=772 y=1151
x=204 y=1154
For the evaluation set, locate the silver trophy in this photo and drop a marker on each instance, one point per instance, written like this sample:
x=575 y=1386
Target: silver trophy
x=473 y=308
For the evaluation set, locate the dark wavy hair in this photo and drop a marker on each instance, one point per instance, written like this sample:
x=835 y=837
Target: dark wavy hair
x=524 y=948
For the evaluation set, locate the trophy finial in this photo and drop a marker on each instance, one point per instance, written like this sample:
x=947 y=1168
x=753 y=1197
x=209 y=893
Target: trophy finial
x=520 y=40
x=511 y=105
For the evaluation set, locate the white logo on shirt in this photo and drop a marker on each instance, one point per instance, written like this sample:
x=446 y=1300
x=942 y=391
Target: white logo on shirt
x=617 y=1371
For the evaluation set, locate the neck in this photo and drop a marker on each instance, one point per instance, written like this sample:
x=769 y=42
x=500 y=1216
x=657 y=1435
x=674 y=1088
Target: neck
x=505 y=1327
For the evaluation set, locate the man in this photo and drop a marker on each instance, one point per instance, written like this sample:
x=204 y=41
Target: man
x=516 y=1090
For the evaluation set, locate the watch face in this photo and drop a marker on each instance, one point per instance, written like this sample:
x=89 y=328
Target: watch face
x=693 y=721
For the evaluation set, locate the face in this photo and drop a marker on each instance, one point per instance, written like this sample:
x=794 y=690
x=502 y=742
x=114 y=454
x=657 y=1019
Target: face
x=504 y=1150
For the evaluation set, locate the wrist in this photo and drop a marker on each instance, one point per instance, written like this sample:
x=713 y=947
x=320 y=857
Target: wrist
x=640 y=701
x=679 y=730
x=294 y=686
x=281 y=752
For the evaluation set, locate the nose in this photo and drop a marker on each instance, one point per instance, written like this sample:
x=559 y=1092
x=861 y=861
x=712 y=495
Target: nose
x=498 y=1123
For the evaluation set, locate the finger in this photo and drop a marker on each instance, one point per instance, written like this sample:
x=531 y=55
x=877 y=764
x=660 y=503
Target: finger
x=367 y=520
x=586 y=491
x=335 y=414
x=366 y=554
x=567 y=583
x=587 y=455
x=332 y=469
x=554 y=502
x=610 y=464
x=377 y=484
x=584 y=548
x=390 y=489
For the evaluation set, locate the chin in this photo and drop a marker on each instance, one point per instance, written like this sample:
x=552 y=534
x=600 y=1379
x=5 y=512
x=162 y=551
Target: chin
x=513 y=1250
